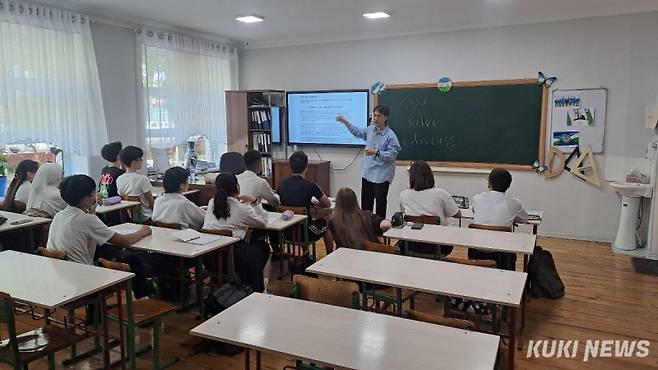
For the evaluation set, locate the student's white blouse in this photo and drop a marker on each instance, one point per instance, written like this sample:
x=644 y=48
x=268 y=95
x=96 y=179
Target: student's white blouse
x=242 y=217
x=176 y=208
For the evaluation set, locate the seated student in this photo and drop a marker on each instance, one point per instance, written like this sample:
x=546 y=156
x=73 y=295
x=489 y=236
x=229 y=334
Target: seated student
x=250 y=181
x=133 y=183
x=495 y=208
x=424 y=199
x=45 y=199
x=296 y=191
x=110 y=173
x=77 y=231
x=350 y=226
x=173 y=206
x=230 y=211
x=18 y=192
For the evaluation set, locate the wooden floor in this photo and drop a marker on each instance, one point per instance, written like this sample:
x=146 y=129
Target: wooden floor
x=605 y=299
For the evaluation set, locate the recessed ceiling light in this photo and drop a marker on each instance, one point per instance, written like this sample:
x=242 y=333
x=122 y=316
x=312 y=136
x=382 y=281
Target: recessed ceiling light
x=249 y=18
x=376 y=15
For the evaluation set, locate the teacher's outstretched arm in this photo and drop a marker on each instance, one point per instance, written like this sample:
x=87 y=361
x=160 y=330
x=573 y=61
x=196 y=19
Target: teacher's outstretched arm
x=356 y=132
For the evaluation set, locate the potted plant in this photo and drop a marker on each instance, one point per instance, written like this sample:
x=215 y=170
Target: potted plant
x=3 y=174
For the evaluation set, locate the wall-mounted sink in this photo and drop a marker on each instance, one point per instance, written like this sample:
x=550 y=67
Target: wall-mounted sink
x=631 y=189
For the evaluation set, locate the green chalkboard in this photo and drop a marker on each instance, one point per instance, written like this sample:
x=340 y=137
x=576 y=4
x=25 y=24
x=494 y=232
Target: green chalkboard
x=497 y=123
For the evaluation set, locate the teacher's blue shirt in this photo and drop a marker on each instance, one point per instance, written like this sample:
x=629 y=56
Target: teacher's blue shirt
x=378 y=169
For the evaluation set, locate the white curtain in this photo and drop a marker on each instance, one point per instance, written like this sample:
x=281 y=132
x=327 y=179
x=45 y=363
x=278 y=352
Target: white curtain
x=184 y=80
x=49 y=87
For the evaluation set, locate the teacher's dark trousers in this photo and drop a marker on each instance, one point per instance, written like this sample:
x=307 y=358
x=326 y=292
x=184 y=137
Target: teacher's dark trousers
x=371 y=191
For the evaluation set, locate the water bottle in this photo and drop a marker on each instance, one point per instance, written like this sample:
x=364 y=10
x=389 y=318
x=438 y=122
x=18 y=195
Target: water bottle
x=104 y=193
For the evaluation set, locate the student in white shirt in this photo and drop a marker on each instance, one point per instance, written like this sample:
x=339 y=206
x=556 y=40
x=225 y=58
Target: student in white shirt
x=252 y=184
x=230 y=211
x=495 y=208
x=18 y=192
x=173 y=206
x=133 y=183
x=44 y=196
x=77 y=231
x=424 y=199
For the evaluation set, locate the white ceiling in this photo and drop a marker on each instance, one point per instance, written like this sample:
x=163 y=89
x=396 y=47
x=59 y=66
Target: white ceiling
x=289 y=22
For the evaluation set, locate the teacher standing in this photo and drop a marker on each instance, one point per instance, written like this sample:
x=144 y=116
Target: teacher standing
x=382 y=147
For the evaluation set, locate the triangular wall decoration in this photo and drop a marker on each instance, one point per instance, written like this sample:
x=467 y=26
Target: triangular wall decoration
x=586 y=163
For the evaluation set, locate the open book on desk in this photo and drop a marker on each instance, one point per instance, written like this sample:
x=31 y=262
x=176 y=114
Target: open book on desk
x=194 y=237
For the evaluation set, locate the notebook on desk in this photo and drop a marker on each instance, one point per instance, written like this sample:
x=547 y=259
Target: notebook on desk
x=194 y=237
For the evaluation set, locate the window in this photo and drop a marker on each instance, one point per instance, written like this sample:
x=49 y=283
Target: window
x=184 y=81
x=52 y=92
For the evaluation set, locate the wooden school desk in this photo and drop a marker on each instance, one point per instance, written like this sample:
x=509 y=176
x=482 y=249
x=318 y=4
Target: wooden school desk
x=161 y=241
x=122 y=208
x=346 y=338
x=19 y=222
x=468 y=214
x=50 y=283
x=485 y=240
x=499 y=287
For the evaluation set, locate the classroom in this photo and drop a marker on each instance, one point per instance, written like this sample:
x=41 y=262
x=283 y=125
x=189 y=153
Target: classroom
x=373 y=185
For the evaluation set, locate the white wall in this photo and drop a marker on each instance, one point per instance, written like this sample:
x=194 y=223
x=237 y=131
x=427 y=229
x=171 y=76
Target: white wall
x=620 y=53
x=117 y=71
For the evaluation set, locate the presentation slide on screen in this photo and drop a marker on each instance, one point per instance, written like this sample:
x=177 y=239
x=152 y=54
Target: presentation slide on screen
x=312 y=117
x=276 y=125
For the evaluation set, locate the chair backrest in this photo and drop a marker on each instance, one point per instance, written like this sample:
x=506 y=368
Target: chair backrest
x=168 y=225
x=232 y=162
x=131 y=198
x=492 y=228
x=19 y=207
x=114 y=265
x=59 y=255
x=295 y=210
x=440 y=320
x=381 y=248
x=217 y=232
x=337 y=293
x=466 y=261
x=424 y=219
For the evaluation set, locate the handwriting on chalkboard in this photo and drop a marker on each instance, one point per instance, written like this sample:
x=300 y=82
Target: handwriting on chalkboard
x=417 y=140
x=423 y=122
x=409 y=103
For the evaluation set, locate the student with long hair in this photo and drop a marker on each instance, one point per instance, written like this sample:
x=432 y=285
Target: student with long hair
x=351 y=226
x=423 y=198
x=18 y=192
x=45 y=199
x=228 y=210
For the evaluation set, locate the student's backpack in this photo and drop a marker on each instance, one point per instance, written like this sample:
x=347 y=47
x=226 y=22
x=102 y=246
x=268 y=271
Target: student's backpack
x=543 y=277
x=217 y=301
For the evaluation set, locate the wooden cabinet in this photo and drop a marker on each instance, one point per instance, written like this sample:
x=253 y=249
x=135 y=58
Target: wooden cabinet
x=317 y=171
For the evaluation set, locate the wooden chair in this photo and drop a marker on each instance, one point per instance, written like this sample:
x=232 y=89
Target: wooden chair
x=136 y=212
x=388 y=296
x=333 y=292
x=427 y=220
x=168 y=225
x=19 y=350
x=336 y=293
x=140 y=313
x=440 y=320
x=58 y=255
x=503 y=260
x=19 y=207
x=217 y=232
x=297 y=239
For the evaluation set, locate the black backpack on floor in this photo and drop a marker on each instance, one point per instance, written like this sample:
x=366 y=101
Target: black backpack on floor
x=543 y=277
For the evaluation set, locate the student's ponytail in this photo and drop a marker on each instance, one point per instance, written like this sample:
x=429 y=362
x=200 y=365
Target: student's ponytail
x=20 y=176
x=226 y=185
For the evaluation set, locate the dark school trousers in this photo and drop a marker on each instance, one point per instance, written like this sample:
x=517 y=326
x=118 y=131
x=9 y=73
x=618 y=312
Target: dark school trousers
x=370 y=192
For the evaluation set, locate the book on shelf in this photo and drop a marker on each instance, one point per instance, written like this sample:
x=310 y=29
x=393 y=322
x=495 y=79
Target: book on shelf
x=267 y=166
x=261 y=141
x=261 y=119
